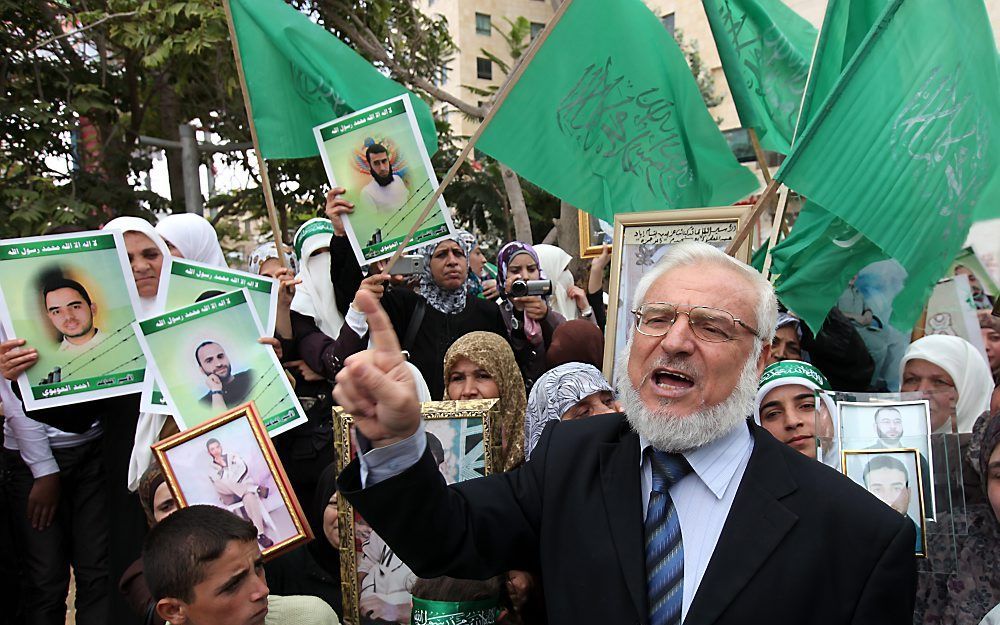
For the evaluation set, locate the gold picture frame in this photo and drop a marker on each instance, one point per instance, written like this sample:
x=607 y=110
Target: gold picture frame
x=586 y=229
x=640 y=238
x=909 y=458
x=470 y=422
x=186 y=459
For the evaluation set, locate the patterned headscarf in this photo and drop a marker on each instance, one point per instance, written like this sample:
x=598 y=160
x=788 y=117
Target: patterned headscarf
x=507 y=254
x=474 y=284
x=446 y=301
x=148 y=484
x=555 y=392
x=492 y=352
x=267 y=251
x=987 y=443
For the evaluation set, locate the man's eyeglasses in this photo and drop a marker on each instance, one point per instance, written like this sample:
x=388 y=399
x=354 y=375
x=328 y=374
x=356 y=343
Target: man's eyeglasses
x=708 y=324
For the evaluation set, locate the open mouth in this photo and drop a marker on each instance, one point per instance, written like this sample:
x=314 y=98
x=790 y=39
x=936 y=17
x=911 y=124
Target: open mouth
x=672 y=380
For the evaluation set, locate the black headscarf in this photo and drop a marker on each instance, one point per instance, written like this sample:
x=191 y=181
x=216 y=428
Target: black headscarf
x=322 y=551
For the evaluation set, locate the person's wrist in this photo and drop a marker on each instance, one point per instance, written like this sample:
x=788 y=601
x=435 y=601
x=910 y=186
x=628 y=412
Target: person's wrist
x=586 y=312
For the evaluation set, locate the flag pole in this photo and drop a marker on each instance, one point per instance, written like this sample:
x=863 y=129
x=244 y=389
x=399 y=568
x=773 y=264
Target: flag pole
x=751 y=215
x=501 y=95
x=265 y=181
x=759 y=155
x=779 y=220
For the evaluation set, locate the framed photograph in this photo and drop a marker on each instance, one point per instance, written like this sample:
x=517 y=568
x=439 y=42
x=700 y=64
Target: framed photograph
x=377 y=154
x=871 y=426
x=640 y=240
x=894 y=476
x=375 y=582
x=594 y=234
x=208 y=360
x=188 y=282
x=73 y=299
x=229 y=462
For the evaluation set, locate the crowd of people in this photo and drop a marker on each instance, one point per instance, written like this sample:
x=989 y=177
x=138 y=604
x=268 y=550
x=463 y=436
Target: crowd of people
x=692 y=486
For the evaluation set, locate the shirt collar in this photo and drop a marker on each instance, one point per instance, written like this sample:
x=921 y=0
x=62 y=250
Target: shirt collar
x=716 y=463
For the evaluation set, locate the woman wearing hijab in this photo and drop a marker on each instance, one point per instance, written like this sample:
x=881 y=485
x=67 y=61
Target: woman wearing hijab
x=481 y=365
x=567 y=299
x=959 y=587
x=191 y=236
x=571 y=391
x=482 y=274
x=314 y=569
x=577 y=340
x=953 y=374
x=530 y=321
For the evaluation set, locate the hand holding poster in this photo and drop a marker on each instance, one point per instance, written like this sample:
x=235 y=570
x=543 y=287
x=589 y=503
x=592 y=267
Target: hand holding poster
x=378 y=156
x=72 y=298
x=209 y=361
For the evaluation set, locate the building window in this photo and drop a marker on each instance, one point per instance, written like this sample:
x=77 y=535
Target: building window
x=668 y=22
x=536 y=28
x=483 y=26
x=484 y=68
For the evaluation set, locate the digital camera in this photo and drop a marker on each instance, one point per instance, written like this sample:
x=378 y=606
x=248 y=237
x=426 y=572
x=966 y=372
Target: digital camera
x=528 y=288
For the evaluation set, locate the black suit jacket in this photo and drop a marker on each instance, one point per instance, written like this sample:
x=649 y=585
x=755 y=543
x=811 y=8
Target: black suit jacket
x=801 y=544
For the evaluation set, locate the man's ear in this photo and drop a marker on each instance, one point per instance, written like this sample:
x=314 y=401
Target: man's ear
x=765 y=355
x=173 y=611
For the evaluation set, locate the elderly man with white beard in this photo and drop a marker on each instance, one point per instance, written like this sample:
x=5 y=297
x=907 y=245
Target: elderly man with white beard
x=679 y=510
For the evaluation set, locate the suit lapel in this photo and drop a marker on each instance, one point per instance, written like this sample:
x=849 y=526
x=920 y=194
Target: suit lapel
x=756 y=525
x=623 y=504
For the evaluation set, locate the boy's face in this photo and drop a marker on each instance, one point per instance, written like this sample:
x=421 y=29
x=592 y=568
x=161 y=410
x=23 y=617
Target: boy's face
x=233 y=591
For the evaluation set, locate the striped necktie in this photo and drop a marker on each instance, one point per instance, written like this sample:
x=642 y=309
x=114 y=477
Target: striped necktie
x=664 y=550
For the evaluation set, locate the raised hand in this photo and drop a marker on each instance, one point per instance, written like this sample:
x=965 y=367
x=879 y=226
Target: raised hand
x=375 y=386
x=335 y=207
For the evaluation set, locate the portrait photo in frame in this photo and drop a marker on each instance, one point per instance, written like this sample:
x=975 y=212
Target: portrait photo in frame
x=230 y=463
x=375 y=583
x=891 y=425
x=640 y=240
x=594 y=234
x=894 y=476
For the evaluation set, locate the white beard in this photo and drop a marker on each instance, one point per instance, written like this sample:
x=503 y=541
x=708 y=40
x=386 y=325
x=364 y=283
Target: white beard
x=671 y=433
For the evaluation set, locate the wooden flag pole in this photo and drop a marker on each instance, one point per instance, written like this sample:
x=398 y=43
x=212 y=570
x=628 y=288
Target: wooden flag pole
x=759 y=155
x=779 y=220
x=750 y=217
x=265 y=181
x=501 y=95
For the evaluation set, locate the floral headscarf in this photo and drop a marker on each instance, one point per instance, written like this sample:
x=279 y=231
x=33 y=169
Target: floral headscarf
x=555 y=392
x=267 y=251
x=492 y=352
x=446 y=301
x=474 y=284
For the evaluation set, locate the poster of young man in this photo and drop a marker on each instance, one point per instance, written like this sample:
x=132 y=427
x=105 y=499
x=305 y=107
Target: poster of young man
x=187 y=282
x=378 y=156
x=72 y=298
x=209 y=361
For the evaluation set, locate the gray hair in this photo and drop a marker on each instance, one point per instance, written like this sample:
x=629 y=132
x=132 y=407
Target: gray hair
x=688 y=253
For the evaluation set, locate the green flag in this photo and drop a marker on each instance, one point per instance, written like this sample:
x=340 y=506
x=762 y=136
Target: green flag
x=901 y=154
x=609 y=118
x=298 y=76
x=765 y=48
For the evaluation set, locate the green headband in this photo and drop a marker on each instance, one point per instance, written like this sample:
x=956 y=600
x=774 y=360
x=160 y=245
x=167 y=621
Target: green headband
x=793 y=369
x=427 y=612
x=308 y=229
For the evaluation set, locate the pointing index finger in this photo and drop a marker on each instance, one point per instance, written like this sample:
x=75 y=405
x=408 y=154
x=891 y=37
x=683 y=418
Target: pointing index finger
x=380 y=330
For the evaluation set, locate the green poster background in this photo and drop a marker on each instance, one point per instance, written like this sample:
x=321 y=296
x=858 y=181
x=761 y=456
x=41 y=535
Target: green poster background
x=233 y=326
x=94 y=262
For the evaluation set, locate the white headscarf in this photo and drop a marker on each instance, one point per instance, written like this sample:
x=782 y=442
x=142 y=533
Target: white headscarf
x=150 y=424
x=554 y=261
x=967 y=368
x=194 y=236
x=555 y=392
x=314 y=297
x=134 y=224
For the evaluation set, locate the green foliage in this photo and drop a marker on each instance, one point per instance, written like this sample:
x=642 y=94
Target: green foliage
x=702 y=74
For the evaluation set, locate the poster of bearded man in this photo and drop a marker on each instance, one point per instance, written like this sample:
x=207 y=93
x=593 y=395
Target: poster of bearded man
x=377 y=155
